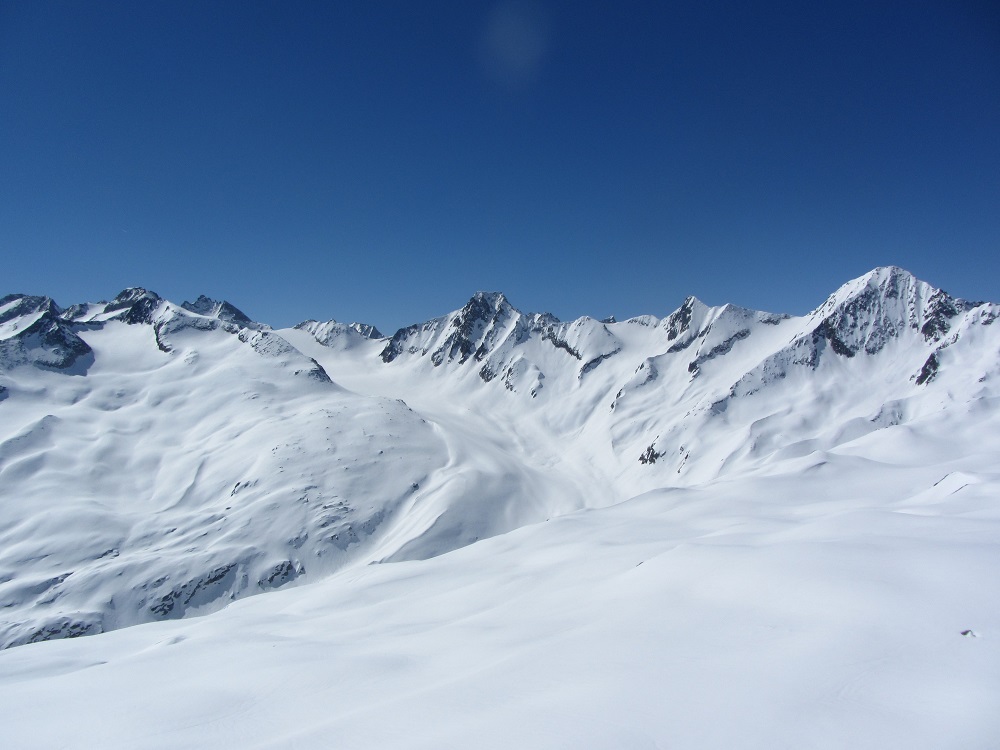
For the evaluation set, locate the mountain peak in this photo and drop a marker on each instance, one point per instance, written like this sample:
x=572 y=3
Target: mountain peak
x=493 y=300
x=469 y=332
x=220 y=309
x=885 y=281
x=367 y=330
x=135 y=305
x=889 y=271
x=31 y=332
x=692 y=310
x=133 y=294
x=16 y=305
x=331 y=333
x=869 y=311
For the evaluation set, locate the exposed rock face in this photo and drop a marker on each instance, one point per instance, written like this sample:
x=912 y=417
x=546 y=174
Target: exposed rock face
x=133 y=306
x=367 y=331
x=861 y=318
x=33 y=333
x=505 y=342
x=867 y=313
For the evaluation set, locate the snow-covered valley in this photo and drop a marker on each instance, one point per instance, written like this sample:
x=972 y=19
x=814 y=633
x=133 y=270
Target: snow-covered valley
x=722 y=528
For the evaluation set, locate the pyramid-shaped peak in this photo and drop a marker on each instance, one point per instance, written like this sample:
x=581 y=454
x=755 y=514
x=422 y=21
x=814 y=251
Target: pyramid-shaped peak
x=884 y=284
x=134 y=294
x=134 y=305
x=888 y=272
x=867 y=312
x=494 y=299
x=16 y=305
x=689 y=315
x=367 y=330
x=220 y=309
x=484 y=306
x=891 y=279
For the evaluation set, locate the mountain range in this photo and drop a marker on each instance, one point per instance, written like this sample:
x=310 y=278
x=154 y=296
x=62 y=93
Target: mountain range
x=162 y=460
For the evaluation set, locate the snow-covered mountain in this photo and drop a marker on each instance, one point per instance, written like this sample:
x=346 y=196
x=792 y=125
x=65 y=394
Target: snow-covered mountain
x=161 y=460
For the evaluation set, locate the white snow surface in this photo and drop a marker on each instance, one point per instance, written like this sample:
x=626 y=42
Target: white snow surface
x=722 y=528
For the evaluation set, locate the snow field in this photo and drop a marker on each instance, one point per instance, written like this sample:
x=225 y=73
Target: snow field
x=718 y=529
x=718 y=617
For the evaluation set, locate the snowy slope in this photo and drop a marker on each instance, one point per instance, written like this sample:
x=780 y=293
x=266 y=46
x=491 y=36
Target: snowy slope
x=591 y=533
x=196 y=461
x=823 y=610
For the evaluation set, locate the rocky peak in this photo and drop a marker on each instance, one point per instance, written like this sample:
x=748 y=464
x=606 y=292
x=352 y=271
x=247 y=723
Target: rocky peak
x=688 y=315
x=331 y=332
x=366 y=330
x=469 y=332
x=18 y=305
x=867 y=312
x=483 y=306
x=31 y=332
x=478 y=326
x=130 y=296
x=134 y=305
x=222 y=310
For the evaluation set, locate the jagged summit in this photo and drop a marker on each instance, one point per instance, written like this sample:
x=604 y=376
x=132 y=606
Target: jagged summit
x=131 y=295
x=457 y=336
x=134 y=305
x=885 y=281
x=492 y=299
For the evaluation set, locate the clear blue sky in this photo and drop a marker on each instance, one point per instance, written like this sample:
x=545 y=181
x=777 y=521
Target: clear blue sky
x=383 y=160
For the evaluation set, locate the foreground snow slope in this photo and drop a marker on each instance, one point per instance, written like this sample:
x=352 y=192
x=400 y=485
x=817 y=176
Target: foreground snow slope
x=720 y=528
x=820 y=611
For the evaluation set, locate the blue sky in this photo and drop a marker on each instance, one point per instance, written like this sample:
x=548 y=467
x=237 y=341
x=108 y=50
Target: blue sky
x=383 y=160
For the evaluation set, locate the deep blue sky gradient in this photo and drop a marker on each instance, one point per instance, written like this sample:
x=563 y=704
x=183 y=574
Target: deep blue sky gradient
x=383 y=160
